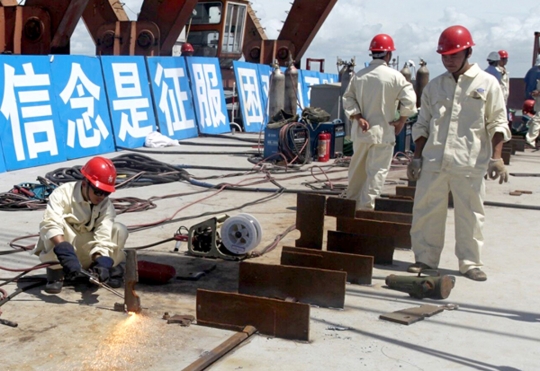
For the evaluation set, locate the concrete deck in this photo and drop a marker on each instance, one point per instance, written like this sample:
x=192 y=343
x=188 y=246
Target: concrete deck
x=497 y=325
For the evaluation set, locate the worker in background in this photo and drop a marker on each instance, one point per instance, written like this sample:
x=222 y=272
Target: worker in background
x=493 y=62
x=78 y=229
x=505 y=76
x=459 y=136
x=187 y=50
x=527 y=113
x=370 y=102
x=534 y=123
x=533 y=74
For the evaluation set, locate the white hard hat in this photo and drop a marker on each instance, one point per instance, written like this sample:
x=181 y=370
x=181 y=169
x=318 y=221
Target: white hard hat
x=494 y=57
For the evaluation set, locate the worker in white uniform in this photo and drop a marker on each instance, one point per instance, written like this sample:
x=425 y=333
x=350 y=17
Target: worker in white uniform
x=459 y=136
x=371 y=101
x=78 y=229
x=505 y=76
x=534 y=123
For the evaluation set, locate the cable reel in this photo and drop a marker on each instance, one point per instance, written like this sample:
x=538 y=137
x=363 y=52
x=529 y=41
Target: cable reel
x=238 y=235
x=241 y=234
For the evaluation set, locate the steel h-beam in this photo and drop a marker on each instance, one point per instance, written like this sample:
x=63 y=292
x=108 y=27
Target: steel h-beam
x=303 y=22
x=40 y=26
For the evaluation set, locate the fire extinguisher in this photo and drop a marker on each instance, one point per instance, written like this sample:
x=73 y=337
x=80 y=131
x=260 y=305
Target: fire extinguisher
x=323 y=149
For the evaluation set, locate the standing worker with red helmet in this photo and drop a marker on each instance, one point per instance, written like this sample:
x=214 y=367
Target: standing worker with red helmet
x=371 y=101
x=78 y=229
x=459 y=136
x=505 y=77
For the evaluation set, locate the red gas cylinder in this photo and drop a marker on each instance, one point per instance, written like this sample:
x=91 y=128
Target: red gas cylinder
x=323 y=149
x=155 y=273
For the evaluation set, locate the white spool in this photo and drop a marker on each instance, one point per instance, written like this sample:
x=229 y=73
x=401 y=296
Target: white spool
x=240 y=234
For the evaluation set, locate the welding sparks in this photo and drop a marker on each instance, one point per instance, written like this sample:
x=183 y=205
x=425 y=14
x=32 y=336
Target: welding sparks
x=124 y=346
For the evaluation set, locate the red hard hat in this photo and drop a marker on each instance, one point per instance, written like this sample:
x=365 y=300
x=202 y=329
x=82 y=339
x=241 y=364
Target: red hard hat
x=101 y=173
x=382 y=43
x=454 y=39
x=528 y=106
x=187 y=47
x=503 y=54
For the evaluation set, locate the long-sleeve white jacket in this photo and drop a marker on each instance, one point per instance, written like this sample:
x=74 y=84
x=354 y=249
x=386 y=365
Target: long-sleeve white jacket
x=375 y=92
x=67 y=206
x=459 y=120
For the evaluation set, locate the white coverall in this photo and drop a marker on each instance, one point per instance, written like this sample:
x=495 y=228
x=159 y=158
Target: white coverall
x=505 y=82
x=534 y=124
x=459 y=120
x=374 y=92
x=89 y=228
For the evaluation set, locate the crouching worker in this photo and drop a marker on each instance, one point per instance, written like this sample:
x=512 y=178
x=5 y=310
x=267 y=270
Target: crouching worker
x=78 y=229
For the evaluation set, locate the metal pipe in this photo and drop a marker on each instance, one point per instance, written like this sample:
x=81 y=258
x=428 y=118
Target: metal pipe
x=221 y=350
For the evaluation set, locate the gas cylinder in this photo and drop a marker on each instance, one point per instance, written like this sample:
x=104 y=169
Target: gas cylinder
x=323 y=149
x=422 y=78
x=406 y=72
x=276 y=92
x=291 y=88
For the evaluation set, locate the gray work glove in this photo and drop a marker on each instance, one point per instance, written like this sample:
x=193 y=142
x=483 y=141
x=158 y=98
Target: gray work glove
x=496 y=169
x=414 y=169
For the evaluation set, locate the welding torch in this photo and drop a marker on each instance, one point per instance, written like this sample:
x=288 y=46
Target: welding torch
x=95 y=281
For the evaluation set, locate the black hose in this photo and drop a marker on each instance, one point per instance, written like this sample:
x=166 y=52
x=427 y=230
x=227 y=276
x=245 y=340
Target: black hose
x=229 y=137
x=511 y=206
x=184 y=143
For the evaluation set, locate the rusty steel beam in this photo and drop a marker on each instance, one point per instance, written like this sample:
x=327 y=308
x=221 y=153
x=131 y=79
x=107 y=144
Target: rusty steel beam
x=400 y=232
x=171 y=17
x=102 y=12
x=208 y=358
x=385 y=216
x=310 y=220
x=233 y=311
x=394 y=205
x=340 y=207
x=322 y=287
x=405 y=191
x=380 y=248
x=359 y=268
x=303 y=22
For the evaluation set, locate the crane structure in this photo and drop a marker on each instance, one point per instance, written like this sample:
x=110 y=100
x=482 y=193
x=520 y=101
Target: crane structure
x=226 y=29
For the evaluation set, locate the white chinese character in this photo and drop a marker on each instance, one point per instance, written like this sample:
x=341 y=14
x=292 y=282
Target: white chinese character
x=171 y=100
x=21 y=98
x=253 y=112
x=79 y=81
x=209 y=94
x=129 y=92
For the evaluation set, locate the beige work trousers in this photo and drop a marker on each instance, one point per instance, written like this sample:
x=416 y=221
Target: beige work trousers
x=83 y=244
x=368 y=169
x=429 y=218
x=534 y=130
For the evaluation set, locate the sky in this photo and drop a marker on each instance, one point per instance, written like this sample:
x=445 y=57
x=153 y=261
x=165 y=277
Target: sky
x=414 y=25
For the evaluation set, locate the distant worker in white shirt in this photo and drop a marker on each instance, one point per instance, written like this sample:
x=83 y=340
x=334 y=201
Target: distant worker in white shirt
x=505 y=76
x=371 y=101
x=78 y=229
x=459 y=136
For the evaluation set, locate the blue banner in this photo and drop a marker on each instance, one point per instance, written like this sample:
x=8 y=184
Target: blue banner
x=307 y=78
x=128 y=94
x=208 y=97
x=249 y=94
x=265 y=71
x=329 y=78
x=172 y=97
x=2 y=162
x=82 y=105
x=29 y=127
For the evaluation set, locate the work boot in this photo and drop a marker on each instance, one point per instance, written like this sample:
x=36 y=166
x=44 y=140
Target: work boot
x=55 y=281
x=475 y=274
x=417 y=267
x=116 y=275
